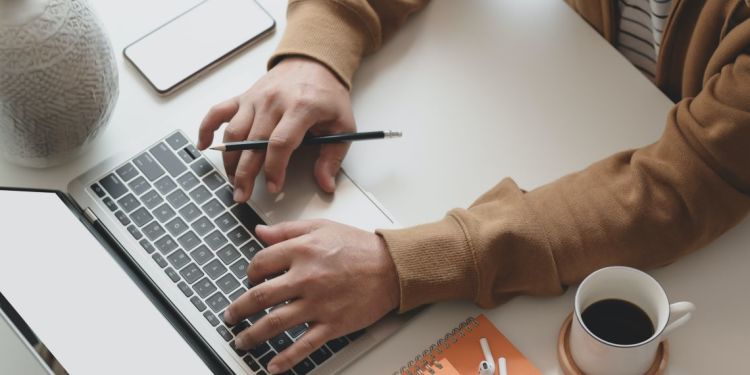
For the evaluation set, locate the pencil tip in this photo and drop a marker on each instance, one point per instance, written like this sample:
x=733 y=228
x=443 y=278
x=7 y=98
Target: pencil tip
x=216 y=147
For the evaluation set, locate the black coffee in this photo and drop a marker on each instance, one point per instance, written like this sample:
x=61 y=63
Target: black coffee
x=618 y=322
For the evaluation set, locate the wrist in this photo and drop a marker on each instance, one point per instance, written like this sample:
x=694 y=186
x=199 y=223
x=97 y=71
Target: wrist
x=311 y=65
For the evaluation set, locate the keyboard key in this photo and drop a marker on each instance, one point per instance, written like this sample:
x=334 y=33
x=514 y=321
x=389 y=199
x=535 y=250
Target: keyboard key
x=256 y=317
x=338 y=344
x=164 y=212
x=189 y=212
x=204 y=287
x=176 y=227
x=165 y=244
x=122 y=218
x=227 y=283
x=214 y=269
x=239 y=327
x=239 y=268
x=281 y=342
x=203 y=226
x=164 y=185
x=139 y=185
x=237 y=293
x=127 y=172
x=135 y=232
x=128 y=203
x=185 y=289
x=168 y=160
x=226 y=222
x=321 y=355
x=184 y=156
x=172 y=274
x=191 y=273
x=355 y=335
x=246 y=283
x=211 y=318
x=97 y=189
x=251 y=363
x=189 y=240
x=188 y=181
x=201 y=255
x=213 y=180
x=263 y=361
x=259 y=350
x=179 y=259
x=178 y=198
x=297 y=330
x=110 y=204
x=141 y=216
x=213 y=208
x=201 y=167
x=304 y=367
x=147 y=246
x=193 y=151
x=153 y=230
x=240 y=352
x=226 y=195
x=200 y=194
x=224 y=333
x=113 y=186
x=217 y=302
x=228 y=254
x=215 y=240
x=159 y=260
x=238 y=236
x=247 y=216
x=148 y=166
x=176 y=140
x=250 y=249
x=151 y=199
x=198 y=303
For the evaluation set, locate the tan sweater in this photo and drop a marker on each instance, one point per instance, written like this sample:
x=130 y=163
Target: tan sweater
x=642 y=208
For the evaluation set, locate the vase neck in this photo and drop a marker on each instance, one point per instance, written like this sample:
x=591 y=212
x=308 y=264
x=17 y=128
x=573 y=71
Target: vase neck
x=15 y=12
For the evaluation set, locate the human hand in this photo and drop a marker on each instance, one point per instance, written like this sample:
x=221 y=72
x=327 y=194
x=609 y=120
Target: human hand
x=297 y=96
x=338 y=279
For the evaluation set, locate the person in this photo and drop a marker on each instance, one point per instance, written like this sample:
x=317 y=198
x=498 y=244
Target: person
x=642 y=208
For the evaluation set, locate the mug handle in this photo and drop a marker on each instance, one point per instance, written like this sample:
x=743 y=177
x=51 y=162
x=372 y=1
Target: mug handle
x=682 y=311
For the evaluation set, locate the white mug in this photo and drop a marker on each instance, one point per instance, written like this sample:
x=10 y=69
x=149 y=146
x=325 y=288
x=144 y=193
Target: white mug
x=594 y=355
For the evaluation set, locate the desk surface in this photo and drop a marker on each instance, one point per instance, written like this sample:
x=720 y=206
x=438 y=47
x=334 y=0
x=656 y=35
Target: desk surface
x=482 y=90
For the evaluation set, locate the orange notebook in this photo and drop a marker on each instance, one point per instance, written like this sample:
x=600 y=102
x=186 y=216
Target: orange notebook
x=459 y=352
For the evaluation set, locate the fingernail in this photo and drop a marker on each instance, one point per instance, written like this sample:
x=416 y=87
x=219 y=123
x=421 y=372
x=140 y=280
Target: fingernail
x=240 y=342
x=228 y=317
x=271 y=186
x=273 y=369
x=238 y=193
x=261 y=227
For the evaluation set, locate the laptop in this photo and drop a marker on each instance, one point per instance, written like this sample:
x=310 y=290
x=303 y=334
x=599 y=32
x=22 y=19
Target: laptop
x=131 y=269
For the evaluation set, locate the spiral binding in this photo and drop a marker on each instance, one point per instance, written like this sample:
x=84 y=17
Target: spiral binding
x=427 y=362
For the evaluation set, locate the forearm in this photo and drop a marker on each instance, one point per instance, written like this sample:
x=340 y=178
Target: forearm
x=338 y=33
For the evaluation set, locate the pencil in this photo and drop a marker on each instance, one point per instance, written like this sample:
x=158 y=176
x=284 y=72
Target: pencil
x=334 y=138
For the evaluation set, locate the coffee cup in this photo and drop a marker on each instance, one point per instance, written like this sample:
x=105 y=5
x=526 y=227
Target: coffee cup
x=621 y=315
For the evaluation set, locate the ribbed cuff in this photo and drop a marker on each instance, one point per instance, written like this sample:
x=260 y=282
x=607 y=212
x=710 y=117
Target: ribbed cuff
x=325 y=31
x=434 y=263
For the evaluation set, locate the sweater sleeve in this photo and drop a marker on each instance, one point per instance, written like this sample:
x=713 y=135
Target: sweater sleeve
x=338 y=33
x=641 y=208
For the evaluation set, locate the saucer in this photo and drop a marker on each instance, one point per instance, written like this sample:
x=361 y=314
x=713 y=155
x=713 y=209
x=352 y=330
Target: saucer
x=569 y=367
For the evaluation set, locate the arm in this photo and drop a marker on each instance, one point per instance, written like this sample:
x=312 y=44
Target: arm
x=305 y=90
x=642 y=208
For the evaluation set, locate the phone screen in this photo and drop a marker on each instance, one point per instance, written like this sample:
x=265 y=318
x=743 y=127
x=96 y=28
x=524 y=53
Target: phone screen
x=199 y=38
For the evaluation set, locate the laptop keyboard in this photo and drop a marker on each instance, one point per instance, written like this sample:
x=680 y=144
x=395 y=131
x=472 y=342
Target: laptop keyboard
x=182 y=212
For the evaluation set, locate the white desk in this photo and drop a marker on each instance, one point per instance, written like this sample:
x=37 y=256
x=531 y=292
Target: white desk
x=482 y=90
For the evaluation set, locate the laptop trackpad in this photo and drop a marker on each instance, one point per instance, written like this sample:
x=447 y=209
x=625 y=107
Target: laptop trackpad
x=77 y=299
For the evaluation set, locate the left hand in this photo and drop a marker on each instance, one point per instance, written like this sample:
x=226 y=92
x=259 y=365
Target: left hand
x=338 y=279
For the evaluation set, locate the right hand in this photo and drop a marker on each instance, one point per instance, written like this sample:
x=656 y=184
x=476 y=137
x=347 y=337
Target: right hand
x=299 y=95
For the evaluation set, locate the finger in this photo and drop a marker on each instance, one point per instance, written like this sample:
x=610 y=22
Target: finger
x=260 y=297
x=328 y=165
x=285 y=231
x=251 y=161
x=314 y=338
x=216 y=116
x=271 y=261
x=283 y=141
x=277 y=321
x=237 y=130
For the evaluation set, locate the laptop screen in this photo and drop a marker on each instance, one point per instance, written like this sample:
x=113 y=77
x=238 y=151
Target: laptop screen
x=76 y=298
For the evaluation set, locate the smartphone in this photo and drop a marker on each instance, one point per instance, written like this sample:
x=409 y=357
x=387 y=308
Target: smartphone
x=197 y=40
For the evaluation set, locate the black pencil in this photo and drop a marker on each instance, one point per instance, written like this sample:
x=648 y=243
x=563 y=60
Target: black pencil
x=334 y=138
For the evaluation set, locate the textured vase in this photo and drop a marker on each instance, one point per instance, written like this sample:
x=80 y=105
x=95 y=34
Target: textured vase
x=58 y=80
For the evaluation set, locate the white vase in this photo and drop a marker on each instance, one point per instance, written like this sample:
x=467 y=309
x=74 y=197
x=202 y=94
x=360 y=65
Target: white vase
x=58 y=80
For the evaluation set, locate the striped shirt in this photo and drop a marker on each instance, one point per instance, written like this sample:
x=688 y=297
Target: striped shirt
x=640 y=32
